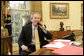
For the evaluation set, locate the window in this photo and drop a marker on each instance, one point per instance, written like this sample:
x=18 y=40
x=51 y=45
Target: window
x=18 y=10
x=18 y=4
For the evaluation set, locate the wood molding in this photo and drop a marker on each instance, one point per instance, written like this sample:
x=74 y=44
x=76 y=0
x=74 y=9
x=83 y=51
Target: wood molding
x=2 y=15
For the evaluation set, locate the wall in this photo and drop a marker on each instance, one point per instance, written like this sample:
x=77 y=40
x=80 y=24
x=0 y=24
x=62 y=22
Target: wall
x=36 y=6
x=74 y=20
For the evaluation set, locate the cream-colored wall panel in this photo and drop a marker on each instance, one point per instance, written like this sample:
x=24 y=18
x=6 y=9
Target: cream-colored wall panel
x=74 y=20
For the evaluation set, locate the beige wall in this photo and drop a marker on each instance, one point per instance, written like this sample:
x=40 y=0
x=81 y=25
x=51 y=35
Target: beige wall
x=74 y=20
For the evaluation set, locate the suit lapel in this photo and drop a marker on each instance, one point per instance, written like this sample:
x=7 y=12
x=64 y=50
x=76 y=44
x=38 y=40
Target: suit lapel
x=39 y=31
x=30 y=31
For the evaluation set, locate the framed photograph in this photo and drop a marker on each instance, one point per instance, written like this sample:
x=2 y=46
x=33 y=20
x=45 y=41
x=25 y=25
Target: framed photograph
x=68 y=28
x=59 y=10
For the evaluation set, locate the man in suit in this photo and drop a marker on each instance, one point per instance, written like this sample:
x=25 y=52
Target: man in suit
x=27 y=37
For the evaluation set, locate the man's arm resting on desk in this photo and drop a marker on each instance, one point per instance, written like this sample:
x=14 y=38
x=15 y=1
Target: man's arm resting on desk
x=24 y=48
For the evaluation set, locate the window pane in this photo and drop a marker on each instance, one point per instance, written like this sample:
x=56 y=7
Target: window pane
x=16 y=17
x=17 y=23
x=18 y=4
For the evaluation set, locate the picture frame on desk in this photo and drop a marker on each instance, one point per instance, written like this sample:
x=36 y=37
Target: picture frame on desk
x=68 y=28
x=59 y=10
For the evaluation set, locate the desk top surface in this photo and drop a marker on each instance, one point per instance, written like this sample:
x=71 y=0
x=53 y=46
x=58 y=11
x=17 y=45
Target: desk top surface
x=44 y=51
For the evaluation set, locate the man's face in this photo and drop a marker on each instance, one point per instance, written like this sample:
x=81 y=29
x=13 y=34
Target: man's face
x=35 y=19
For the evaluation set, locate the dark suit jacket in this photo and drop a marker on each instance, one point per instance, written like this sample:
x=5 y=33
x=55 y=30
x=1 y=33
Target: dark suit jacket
x=26 y=36
x=70 y=37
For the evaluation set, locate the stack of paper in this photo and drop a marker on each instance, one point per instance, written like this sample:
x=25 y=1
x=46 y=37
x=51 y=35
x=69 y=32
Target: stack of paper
x=62 y=40
x=66 y=42
x=55 y=45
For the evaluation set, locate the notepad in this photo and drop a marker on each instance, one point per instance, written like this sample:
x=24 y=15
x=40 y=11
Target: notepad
x=55 y=45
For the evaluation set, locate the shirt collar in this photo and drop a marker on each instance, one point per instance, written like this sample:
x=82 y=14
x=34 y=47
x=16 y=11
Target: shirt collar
x=33 y=26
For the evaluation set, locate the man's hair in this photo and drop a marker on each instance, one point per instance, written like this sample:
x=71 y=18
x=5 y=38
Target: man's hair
x=32 y=14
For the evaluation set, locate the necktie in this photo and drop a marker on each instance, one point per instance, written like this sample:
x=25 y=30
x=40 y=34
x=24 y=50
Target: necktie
x=37 y=43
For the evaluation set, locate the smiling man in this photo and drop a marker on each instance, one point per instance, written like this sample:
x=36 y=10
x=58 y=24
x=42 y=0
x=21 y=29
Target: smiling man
x=32 y=36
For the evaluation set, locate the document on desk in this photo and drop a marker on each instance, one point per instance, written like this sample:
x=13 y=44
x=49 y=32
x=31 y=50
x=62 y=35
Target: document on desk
x=69 y=50
x=63 y=40
x=55 y=45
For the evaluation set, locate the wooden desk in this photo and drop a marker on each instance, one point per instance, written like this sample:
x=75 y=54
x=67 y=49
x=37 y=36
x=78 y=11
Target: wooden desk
x=56 y=35
x=44 y=51
x=6 y=45
x=59 y=34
